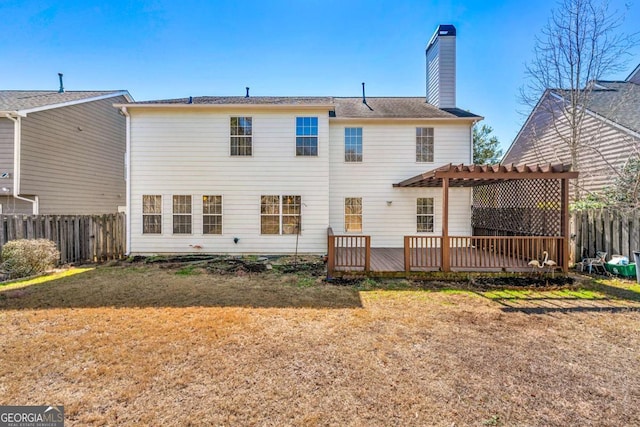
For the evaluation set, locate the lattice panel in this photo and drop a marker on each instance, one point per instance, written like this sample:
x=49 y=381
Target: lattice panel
x=517 y=208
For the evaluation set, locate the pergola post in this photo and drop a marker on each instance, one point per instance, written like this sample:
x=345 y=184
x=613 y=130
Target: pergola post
x=444 y=246
x=564 y=223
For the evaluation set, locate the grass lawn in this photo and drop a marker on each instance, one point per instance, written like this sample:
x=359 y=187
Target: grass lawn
x=148 y=346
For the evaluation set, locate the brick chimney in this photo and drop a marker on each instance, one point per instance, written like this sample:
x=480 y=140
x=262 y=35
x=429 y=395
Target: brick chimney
x=441 y=67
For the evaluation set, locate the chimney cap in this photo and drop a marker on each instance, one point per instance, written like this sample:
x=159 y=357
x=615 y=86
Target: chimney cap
x=443 y=30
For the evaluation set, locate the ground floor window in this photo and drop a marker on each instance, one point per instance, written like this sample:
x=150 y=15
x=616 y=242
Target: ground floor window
x=181 y=214
x=353 y=214
x=425 y=215
x=211 y=214
x=151 y=214
x=280 y=215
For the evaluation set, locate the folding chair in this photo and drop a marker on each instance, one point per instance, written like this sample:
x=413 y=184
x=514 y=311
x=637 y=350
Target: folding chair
x=596 y=265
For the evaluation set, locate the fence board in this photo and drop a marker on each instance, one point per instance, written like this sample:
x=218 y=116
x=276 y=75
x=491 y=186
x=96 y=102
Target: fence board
x=613 y=231
x=79 y=238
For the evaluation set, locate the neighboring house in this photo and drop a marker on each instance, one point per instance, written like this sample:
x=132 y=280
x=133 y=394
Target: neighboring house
x=61 y=152
x=271 y=174
x=609 y=136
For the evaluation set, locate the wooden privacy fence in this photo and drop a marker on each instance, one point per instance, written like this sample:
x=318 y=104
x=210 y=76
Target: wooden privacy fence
x=606 y=230
x=80 y=238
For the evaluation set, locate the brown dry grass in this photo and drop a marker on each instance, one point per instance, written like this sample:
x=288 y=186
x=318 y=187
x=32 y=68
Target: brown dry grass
x=149 y=347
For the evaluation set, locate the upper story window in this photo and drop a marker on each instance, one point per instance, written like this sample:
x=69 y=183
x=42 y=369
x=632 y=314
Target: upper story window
x=151 y=214
x=424 y=144
x=241 y=136
x=181 y=214
x=425 y=214
x=306 y=136
x=352 y=144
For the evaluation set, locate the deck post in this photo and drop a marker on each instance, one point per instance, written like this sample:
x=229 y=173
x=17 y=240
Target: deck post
x=564 y=224
x=444 y=246
x=407 y=254
x=331 y=252
x=367 y=254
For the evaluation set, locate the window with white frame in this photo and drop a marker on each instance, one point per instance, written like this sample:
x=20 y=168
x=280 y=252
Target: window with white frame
x=181 y=214
x=424 y=144
x=425 y=215
x=241 y=135
x=353 y=214
x=352 y=144
x=211 y=214
x=291 y=215
x=306 y=136
x=280 y=215
x=151 y=214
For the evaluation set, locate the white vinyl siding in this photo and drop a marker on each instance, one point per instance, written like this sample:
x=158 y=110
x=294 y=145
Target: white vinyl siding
x=390 y=213
x=187 y=152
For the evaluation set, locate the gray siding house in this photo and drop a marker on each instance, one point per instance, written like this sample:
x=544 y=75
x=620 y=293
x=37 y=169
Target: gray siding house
x=610 y=133
x=62 y=152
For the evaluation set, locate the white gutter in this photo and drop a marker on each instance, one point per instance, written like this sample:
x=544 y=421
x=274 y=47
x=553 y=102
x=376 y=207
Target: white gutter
x=17 y=124
x=127 y=165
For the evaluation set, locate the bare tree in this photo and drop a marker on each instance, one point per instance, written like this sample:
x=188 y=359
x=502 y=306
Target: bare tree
x=580 y=44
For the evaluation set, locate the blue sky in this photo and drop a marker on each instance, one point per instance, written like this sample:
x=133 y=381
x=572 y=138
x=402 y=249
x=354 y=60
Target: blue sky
x=170 y=49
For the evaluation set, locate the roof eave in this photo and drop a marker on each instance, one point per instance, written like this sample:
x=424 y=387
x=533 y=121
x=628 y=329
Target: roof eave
x=25 y=111
x=466 y=119
x=228 y=106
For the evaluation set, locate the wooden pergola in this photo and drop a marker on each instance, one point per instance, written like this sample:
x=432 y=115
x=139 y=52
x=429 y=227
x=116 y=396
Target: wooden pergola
x=495 y=175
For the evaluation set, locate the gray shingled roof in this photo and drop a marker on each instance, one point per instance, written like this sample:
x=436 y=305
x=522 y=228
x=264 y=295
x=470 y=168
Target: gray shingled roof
x=382 y=107
x=345 y=107
x=252 y=100
x=16 y=100
x=618 y=101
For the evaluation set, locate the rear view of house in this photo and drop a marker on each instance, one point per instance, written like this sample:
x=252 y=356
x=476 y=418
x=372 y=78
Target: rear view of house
x=61 y=152
x=254 y=174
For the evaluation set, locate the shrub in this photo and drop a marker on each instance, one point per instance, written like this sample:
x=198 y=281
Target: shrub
x=22 y=258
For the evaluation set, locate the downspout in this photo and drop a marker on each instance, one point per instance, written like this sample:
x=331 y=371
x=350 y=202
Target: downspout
x=127 y=165
x=17 y=131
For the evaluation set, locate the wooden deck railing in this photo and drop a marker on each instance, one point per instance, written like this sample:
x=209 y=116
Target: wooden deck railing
x=348 y=253
x=422 y=252
x=504 y=252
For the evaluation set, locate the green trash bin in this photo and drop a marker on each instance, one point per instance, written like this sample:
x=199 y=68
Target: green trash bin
x=624 y=270
x=636 y=256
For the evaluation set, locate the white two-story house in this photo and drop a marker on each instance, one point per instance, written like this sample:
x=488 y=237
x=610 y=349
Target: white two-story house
x=271 y=174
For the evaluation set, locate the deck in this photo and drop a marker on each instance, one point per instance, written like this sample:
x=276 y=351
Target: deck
x=386 y=260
